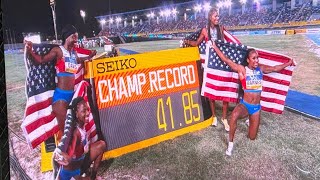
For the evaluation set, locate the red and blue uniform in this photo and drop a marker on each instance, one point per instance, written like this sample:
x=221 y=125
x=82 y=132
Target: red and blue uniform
x=66 y=66
x=79 y=154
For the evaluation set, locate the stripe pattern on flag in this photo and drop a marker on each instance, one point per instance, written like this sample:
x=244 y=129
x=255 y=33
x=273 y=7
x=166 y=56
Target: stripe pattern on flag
x=220 y=82
x=275 y=85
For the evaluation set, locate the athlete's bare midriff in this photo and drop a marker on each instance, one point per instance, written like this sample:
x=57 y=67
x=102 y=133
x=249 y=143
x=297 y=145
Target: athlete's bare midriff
x=66 y=82
x=252 y=97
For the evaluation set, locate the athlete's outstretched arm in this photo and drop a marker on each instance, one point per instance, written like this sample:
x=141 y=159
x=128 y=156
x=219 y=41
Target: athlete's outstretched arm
x=82 y=59
x=234 y=66
x=269 y=69
x=203 y=34
x=41 y=59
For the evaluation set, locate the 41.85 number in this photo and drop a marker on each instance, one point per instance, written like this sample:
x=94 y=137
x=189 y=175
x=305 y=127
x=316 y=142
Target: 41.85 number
x=188 y=105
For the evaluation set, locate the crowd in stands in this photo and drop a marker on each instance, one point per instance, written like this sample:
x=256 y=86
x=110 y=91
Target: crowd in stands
x=284 y=14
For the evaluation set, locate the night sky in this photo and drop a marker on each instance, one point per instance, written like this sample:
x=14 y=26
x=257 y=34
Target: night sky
x=36 y=15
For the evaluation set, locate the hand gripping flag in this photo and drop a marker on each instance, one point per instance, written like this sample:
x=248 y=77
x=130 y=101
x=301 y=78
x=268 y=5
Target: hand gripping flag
x=275 y=85
x=39 y=122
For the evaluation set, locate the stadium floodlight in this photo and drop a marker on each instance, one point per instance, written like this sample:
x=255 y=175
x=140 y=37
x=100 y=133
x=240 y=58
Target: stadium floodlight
x=111 y=20
x=167 y=12
x=174 y=11
x=228 y=3
x=103 y=22
x=243 y=1
x=161 y=13
x=118 y=19
x=206 y=6
x=83 y=15
x=52 y=2
x=220 y=4
x=197 y=8
x=152 y=14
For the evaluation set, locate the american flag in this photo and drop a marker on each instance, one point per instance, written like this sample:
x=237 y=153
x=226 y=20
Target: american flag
x=39 y=122
x=220 y=82
x=275 y=85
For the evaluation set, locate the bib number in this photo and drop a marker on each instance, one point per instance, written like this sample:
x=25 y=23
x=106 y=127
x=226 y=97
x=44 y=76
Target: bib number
x=71 y=65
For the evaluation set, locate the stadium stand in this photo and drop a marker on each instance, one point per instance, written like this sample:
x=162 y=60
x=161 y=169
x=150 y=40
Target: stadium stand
x=187 y=20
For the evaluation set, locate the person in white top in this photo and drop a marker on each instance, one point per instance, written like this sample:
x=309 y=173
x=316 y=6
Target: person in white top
x=213 y=31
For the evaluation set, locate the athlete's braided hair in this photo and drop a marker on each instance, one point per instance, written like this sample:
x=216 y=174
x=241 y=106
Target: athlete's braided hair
x=74 y=107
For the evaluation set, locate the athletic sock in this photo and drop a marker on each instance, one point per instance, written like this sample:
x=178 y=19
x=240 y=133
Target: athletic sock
x=214 y=121
x=229 y=149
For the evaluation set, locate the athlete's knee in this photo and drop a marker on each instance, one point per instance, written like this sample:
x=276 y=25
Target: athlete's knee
x=102 y=146
x=252 y=136
x=234 y=117
x=61 y=115
x=60 y=110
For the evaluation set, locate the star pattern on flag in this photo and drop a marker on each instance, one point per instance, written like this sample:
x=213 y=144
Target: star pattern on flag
x=233 y=51
x=42 y=76
x=194 y=37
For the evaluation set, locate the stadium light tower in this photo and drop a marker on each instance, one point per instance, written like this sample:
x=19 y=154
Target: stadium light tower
x=220 y=4
x=133 y=18
x=257 y=2
x=228 y=4
x=167 y=13
x=197 y=9
x=102 y=22
x=110 y=21
x=83 y=15
x=161 y=15
x=118 y=20
x=53 y=8
x=206 y=8
x=174 y=12
x=150 y=16
x=243 y=3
